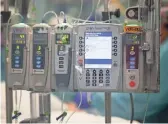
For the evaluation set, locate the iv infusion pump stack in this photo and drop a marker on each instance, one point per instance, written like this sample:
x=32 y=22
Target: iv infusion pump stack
x=40 y=58
x=18 y=62
x=62 y=57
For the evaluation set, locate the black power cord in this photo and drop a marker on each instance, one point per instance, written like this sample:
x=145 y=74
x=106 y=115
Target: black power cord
x=132 y=108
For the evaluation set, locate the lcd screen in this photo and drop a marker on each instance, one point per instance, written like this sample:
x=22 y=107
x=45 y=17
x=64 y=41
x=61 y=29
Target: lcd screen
x=98 y=47
x=62 y=38
x=40 y=38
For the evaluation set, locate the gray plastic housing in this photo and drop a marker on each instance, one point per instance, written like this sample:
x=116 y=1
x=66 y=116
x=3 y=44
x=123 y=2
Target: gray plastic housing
x=19 y=53
x=40 y=79
x=111 y=82
x=62 y=58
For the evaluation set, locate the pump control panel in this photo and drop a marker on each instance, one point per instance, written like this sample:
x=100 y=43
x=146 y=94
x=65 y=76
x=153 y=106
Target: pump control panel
x=62 y=57
x=133 y=59
x=98 y=57
x=18 y=64
x=40 y=58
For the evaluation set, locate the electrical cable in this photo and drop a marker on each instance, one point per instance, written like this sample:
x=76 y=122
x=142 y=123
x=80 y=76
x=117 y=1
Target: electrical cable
x=76 y=109
x=132 y=108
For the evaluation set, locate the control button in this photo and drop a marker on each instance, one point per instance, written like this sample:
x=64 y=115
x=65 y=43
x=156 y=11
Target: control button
x=88 y=78
x=100 y=74
x=16 y=66
x=87 y=81
x=115 y=46
x=17 y=57
x=115 y=54
x=87 y=71
x=80 y=46
x=80 y=38
x=132 y=84
x=61 y=66
x=100 y=78
x=107 y=78
x=100 y=81
x=132 y=53
x=115 y=42
x=94 y=71
x=94 y=81
x=115 y=38
x=87 y=74
x=115 y=50
x=107 y=74
x=107 y=81
x=80 y=54
x=132 y=77
x=61 y=58
x=80 y=50
x=107 y=71
x=17 y=52
x=132 y=67
x=80 y=42
x=16 y=62
x=61 y=62
x=38 y=58
x=38 y=66
x=107 y=85
x=132 y=63
x=94 y=74
x=38 y=62
x=132 y=58
x=94 y=84
x=101 y=71
x=94 y=78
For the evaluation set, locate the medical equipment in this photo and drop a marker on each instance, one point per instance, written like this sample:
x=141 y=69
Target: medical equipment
x=18 y=67
x=40 y=58
x=98 y=57
x=95 y=57
x=62 y=58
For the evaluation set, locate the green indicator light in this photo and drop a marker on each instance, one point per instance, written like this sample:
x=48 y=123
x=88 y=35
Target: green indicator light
x=134 y=37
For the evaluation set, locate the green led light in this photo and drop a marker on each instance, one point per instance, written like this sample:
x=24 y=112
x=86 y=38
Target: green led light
x=134 y=37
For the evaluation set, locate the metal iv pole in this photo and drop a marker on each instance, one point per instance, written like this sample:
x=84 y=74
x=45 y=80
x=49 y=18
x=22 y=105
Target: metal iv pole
x=8 y=91
x=107 y=94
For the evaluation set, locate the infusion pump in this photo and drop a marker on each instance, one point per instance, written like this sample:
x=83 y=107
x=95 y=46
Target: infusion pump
x=98 y=57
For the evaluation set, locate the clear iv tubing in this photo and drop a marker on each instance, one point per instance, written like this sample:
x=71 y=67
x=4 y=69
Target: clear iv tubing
x=118 y=21
x=76 y=109
x=91 y=12
x=80 y=10
x=52 y=13
x=98 y=3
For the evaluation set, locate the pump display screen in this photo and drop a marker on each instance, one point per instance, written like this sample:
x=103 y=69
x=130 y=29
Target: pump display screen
x=18 y=44
x=98 y=49
x=40 y=42
x=63 y=38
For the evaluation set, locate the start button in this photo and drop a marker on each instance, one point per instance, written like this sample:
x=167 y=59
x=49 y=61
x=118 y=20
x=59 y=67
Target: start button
x=132 y=84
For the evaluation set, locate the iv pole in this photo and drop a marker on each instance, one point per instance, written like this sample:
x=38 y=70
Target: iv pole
x=8 y=91
x=107 y=94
